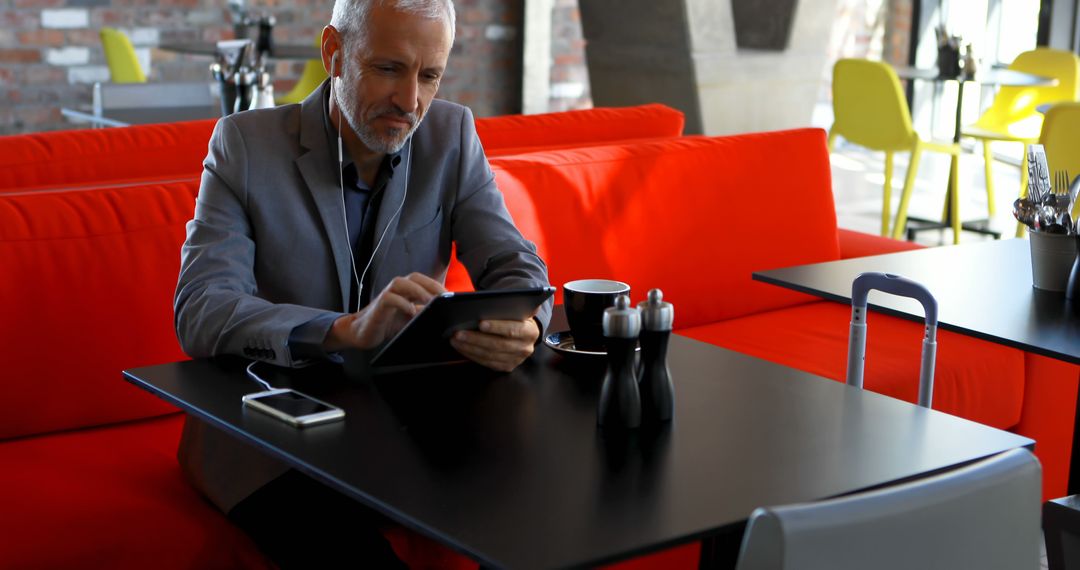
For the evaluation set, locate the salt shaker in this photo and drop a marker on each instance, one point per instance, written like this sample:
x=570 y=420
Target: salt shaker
x=620 y=402
x=264 y=93
x=654 y=378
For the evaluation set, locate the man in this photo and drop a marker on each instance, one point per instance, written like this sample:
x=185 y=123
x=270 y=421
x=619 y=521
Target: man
x=296 y=252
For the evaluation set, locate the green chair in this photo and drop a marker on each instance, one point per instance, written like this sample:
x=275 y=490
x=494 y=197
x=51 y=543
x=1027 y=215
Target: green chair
x=120 y=55
x=312 y=76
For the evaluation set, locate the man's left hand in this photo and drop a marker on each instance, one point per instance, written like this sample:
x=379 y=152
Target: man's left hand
x=499 y=345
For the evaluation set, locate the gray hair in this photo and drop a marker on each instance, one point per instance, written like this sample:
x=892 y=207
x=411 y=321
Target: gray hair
x=350 y=16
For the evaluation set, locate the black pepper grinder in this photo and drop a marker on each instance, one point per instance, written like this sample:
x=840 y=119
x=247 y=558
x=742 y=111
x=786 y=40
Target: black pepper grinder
x=620 y=402
x=654 y=378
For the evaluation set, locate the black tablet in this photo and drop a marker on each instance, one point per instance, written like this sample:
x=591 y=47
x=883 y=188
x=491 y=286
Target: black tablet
x=426 y=338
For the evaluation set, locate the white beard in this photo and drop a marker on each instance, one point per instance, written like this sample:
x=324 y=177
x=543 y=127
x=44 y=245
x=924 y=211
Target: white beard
x=365 y=129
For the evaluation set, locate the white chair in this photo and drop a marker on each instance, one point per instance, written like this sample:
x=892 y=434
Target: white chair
x=985 y=515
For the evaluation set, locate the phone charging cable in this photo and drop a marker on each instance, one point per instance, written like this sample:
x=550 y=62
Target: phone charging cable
x=251 y=374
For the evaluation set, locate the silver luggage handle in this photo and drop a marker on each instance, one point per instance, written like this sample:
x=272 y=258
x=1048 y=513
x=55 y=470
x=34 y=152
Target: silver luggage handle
x=903 y=287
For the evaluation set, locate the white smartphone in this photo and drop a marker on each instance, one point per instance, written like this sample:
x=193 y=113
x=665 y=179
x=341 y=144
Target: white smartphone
x=293 y=407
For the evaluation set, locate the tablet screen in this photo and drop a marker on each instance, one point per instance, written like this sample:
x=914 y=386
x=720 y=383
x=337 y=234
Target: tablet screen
x=426 y=338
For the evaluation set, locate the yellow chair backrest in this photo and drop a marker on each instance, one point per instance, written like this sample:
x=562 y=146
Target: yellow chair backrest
x=120 y=56
x=313 y=75
x=1060 y=138
x=869 y=106
x=1015 y=104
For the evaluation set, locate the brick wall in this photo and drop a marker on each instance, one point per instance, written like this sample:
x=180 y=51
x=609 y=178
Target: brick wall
x=485 y=65
x=50 y=53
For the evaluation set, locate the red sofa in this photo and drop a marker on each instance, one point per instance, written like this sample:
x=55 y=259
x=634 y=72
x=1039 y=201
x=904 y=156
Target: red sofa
x=91 y=223
x=671 y=214
x=90 y=228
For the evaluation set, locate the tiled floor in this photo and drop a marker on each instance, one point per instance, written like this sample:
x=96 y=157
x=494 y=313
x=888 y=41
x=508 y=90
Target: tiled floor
x=859 y=174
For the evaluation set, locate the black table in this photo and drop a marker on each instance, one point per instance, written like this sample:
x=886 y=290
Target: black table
x=145 y=116
x=991 y=76
x=511 y=470
x=277 y=51
x=983 y=290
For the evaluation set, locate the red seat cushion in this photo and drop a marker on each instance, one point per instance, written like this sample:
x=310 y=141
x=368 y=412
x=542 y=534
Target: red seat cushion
x=973 y=379
x=111 y=497
x=517 y=133
x=88 y=293
x=60 y=159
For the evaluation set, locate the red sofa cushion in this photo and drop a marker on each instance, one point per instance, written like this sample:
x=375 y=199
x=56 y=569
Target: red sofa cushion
x=516 y=133
x=61 y=159
x=111 y=497
x=88 y=293
x=647 y=213
x=973 y=379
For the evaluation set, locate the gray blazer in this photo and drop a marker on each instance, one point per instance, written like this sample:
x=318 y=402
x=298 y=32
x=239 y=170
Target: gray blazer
x=268 y=248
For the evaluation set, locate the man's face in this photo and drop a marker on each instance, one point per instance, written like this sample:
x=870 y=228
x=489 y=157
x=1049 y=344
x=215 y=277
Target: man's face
x=389 y=81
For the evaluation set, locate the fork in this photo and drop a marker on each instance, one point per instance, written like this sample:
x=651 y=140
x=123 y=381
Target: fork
x=1059 y=199
x=1061 y=183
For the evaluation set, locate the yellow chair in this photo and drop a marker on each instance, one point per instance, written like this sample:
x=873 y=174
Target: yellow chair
x=312 y=76
x=870 y=110
x=1013 y=115
x=1061 y=139
x=120 y=55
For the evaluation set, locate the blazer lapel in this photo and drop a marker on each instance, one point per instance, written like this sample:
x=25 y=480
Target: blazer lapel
x=317 y=167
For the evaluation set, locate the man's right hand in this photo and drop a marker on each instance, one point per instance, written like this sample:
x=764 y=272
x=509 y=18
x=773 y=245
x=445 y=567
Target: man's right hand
x=385 y=315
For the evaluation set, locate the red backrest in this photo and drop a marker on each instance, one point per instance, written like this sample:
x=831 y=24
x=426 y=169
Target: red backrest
x=172 y=151
x=514 y=134
x=694 y=216
x=87 y=292
x=81 y=158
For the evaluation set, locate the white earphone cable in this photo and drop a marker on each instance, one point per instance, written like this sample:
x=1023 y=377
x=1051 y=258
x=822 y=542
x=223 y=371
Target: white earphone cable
x=341 y=183
x=408 y=164
x=359 y=280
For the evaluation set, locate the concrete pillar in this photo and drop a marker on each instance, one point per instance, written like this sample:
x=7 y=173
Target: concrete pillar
x=536 y=64
x=684 y=54
x=638 y=51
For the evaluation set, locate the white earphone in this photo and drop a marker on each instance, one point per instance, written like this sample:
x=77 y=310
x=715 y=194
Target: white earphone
x=359 y=280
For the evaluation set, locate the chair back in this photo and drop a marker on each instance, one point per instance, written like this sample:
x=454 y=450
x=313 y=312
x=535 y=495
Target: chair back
x=313 y=75
x=985 y=515
x=1060 y=138
x=120 y=56
x=869 y=106
x=1013 y=105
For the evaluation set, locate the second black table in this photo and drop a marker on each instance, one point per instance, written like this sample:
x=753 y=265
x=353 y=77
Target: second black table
x=983 y=290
